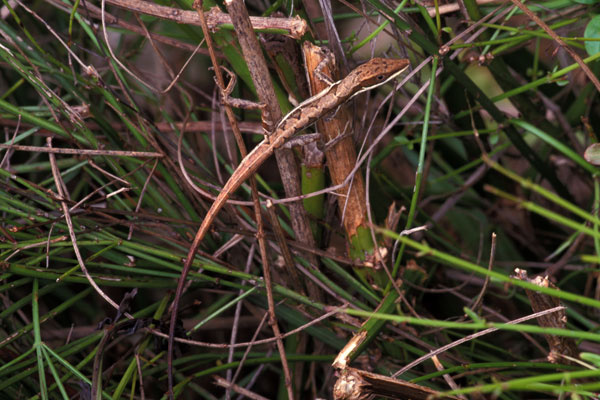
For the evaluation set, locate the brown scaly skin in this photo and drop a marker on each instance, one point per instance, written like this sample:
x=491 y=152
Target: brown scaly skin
x=373 y=73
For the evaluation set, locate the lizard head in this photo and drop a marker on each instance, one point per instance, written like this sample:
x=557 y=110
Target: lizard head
x=377 y=71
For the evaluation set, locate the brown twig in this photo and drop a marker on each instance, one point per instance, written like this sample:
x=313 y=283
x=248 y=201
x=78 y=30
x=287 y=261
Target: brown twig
x=231 y=378
x=82 y=152
x=239 y=389
x=46 y=243
x=356 y=384
x=479 y=301
x=253 y=342
x=138 y=364
x=165 y=127
x=293 y=27
x=467 y=300
x=473 y=336
x=271 y=114
x=560 y=347
x=67 y=215
x=449 y=380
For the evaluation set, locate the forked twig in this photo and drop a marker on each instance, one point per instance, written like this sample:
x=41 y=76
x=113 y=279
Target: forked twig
x=63 y=194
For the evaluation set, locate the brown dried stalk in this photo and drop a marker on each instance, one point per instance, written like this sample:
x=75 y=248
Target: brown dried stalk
x=293 y=27
x=560 y=347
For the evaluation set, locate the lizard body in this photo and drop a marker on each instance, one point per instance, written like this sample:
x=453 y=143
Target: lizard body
x=367 y=76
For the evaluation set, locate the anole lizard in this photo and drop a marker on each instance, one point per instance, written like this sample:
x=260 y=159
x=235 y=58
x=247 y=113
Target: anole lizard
x=372 y=74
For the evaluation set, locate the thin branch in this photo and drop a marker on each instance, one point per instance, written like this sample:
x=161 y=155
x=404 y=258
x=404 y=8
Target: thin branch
x=61 y=192
x=252 y=343
x=82 y=152
x=294 y=27
x=247 y=393
x=271 y=115
x=471 y=337
x=479 y=301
